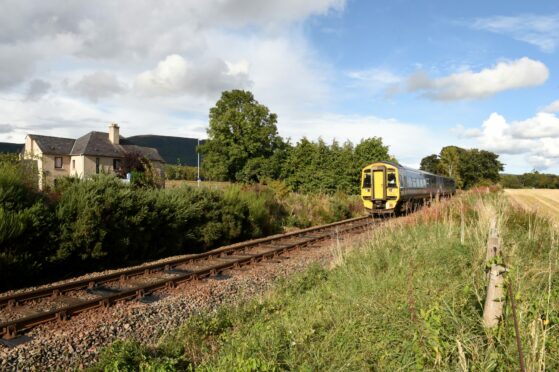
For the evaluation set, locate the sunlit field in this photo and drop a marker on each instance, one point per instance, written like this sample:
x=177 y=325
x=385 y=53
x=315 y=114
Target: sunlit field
x=543 y=201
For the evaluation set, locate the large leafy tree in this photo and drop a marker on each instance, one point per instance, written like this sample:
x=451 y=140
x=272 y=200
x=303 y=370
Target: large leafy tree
x=431 y=164
x=467 y=167
x=243 y=143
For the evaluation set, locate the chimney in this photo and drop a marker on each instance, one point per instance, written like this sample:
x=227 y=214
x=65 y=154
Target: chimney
x=114 y=137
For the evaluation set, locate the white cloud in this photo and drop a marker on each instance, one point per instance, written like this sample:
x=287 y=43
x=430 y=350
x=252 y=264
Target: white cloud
x=177 y=76
x=540 y=162
x=496 y=136
x=539 y=30
x=462 y=132
x=374 y=76
x=155 y=68
x=539 y=126
x=98 y=85
x=552 y=107
x=536 y=138
x=523 y=72
x=131 y=31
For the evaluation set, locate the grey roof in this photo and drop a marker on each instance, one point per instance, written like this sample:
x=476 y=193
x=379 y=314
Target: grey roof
x=96 y=144
x=93 y=144
x=53 y=145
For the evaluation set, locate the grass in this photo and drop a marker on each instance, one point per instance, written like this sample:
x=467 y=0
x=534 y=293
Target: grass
x=216 y=185
x=411 y=298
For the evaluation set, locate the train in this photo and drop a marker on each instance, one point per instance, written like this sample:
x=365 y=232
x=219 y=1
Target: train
x=388 y=188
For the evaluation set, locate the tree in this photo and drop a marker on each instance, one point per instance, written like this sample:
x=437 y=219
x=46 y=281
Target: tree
x=370 y=150
x=243 y=141
x=431 y=164
x=467 y=167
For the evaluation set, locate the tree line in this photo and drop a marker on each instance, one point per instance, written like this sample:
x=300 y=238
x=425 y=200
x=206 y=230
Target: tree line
x=244 y=146
x=468 y=167
x=533 y=179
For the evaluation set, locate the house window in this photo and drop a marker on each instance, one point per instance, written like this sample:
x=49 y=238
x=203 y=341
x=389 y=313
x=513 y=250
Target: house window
x=74 y=164
x=116 y=164
x=97 y=163
x=58 y=162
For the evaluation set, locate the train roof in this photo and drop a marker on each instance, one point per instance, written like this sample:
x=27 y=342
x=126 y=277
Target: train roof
x=400 y=166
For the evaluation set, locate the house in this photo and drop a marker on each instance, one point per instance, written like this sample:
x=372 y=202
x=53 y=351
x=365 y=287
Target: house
x=93 y=153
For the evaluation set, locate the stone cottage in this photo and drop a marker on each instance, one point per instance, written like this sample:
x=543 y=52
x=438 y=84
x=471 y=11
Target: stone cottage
x=93 y=153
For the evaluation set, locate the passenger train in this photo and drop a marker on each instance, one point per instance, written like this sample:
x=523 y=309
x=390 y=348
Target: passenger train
x=388 y=188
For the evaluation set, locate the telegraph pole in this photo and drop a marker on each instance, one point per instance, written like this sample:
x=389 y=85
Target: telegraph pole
x=198 y=153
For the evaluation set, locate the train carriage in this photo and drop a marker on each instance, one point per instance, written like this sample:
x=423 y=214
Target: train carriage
x=388 y=188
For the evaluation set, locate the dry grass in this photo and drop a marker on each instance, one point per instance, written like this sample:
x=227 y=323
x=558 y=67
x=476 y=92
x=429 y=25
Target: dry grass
x=541 y=201
x=171 y=184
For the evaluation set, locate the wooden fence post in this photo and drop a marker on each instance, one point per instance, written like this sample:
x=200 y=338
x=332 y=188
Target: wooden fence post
x=493 y=308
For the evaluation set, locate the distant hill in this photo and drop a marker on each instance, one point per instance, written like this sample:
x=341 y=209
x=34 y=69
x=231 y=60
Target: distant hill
x=174 y=150
x=10 y=147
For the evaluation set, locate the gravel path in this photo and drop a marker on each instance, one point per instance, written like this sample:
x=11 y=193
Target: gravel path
x=79 y=342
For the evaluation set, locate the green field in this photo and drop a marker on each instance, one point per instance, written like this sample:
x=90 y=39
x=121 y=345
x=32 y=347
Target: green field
x=409 y=299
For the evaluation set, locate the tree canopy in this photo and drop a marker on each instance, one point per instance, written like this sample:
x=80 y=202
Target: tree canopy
x=533 y=179
x=468 y=167
x=243 y=138
x=244 y=145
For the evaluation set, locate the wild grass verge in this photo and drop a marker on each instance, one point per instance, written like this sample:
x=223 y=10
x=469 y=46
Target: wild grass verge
x=411 y=298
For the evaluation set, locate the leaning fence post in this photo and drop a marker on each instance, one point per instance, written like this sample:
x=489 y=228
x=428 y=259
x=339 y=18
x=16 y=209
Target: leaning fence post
x=493 y=308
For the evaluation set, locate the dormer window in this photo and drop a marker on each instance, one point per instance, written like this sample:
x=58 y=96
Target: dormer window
x=58 y=162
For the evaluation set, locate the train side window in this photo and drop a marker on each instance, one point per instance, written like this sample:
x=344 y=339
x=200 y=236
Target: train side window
x=367 y=181
x=391 y=178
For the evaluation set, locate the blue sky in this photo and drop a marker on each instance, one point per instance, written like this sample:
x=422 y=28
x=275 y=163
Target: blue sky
x=420 y=74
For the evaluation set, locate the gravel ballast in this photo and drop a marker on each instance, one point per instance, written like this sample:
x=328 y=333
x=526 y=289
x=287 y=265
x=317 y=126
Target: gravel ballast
x=77 y=343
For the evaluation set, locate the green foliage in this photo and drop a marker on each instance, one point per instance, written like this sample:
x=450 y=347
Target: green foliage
x=315 y=167
x=244 y=146
x=533 y=179
x=469 y=168
x=25 y=223
x=431 y=164
x=409 y=299
x=182 y=172
x=103 y=222
x=242 y=138
x=131 y=357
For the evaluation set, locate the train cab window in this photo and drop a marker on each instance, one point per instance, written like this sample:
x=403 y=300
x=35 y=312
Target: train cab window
x=391 y=178
x=367 y=181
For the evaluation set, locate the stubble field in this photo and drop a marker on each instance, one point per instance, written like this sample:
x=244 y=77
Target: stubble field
x=542 y=201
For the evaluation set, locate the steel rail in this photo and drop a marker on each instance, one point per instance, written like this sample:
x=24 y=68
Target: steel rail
x=17 y=298
x=12 y=328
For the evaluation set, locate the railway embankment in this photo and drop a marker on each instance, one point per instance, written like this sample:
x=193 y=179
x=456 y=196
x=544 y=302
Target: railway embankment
x=101 y=223
x=76 y=342
x=409 y=297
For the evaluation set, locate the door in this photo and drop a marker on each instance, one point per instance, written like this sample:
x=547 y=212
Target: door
x=379 y=190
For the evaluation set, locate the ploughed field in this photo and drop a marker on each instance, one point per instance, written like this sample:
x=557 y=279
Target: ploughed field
x=542 y=201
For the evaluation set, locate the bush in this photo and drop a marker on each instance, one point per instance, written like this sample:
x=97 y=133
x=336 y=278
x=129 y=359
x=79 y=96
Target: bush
x=104 y=223
x=25 y=225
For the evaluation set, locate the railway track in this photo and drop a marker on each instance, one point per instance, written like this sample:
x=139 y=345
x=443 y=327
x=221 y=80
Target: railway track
x=23 y=311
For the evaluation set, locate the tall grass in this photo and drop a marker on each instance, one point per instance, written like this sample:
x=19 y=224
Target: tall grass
x=411 y=298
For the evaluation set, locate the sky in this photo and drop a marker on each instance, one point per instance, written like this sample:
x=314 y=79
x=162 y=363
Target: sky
x=419 y=74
